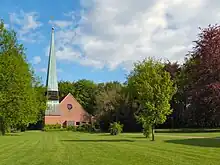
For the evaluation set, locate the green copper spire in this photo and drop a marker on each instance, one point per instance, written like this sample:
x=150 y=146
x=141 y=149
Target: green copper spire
x=52 y=84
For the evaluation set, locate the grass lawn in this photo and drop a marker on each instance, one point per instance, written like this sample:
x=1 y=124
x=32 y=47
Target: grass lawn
x=72 y=148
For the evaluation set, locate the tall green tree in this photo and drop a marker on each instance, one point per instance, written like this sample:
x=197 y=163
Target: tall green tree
x=18 y=104
x=153 y=88
x=40 y=101
x=85 y=94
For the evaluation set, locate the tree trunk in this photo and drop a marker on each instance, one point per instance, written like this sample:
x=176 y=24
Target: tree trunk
x=152 y=131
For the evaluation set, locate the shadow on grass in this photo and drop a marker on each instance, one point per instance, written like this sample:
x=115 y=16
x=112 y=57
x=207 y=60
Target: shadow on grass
x=12 y=134
x=105 y=135
x=99 y=140
x=202 y=142
x=138 y=137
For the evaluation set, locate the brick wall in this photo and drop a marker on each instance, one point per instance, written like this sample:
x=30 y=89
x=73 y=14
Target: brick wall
x=71 y=110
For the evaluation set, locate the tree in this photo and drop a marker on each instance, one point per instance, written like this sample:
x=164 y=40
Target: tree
x=41 y=102
x=173 y=69
x=176 y=119
x=18 y=104
x=66 y=87
x=153 y=88
x=202 y=68
x=108 y=102
x=85 y=94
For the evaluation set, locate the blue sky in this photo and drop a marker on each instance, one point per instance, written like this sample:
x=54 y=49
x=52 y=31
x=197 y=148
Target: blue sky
x=101 y=39
x=45 y=11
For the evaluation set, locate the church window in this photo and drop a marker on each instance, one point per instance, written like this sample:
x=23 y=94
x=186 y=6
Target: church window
x=69 y=106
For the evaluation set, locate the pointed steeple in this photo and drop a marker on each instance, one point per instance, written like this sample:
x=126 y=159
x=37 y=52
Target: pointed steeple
x=52 y=84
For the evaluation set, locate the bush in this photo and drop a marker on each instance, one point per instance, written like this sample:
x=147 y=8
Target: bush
x=86 y=128
x=71 y=128
x=115 y=128
x=95 y=128
x=52 y=127
x=82 y=128
x=57 y=126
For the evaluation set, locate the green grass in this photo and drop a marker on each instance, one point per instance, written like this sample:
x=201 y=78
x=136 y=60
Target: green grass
x=73 y=148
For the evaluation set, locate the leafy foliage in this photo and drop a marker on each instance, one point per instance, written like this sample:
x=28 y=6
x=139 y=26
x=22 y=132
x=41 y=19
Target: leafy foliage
x=81 y=128
x=203 y=67
x=178 y=102
x=154 y=89
x=147 y=129
x=18 y=98
x=115 y=128
x=108 y=100
x=71 y=128
x=48 y=127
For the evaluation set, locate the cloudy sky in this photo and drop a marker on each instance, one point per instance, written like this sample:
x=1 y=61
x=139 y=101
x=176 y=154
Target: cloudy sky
x=101 y=39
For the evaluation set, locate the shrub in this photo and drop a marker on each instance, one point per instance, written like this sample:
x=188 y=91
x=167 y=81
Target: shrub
x=45 y=129
x=57 y=126
x=81 y=128
x=71 y=128
x=93 y=128
x=89 y=127
x=115 y=128
x=86 y=128
x=48 y=127
x=96 y=127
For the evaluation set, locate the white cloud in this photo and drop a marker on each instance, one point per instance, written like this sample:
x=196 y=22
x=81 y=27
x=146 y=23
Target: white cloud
x=36 y=60
x=26 y=26
x=116 y=33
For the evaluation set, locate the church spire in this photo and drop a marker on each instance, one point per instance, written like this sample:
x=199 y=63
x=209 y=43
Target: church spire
x=52 y=84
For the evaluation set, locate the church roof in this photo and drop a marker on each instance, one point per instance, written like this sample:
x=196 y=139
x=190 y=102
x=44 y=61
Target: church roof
x=70 y=95
x=63 y=98
x=52 y=84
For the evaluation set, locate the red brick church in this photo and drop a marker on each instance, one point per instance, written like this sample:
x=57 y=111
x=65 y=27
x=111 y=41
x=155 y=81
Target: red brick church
x=67 y=111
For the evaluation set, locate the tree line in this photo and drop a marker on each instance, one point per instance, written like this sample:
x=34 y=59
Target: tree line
x=194 y=104
x=155 y=94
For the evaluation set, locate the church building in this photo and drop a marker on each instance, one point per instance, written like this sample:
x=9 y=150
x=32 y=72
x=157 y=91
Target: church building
x=67 y=111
